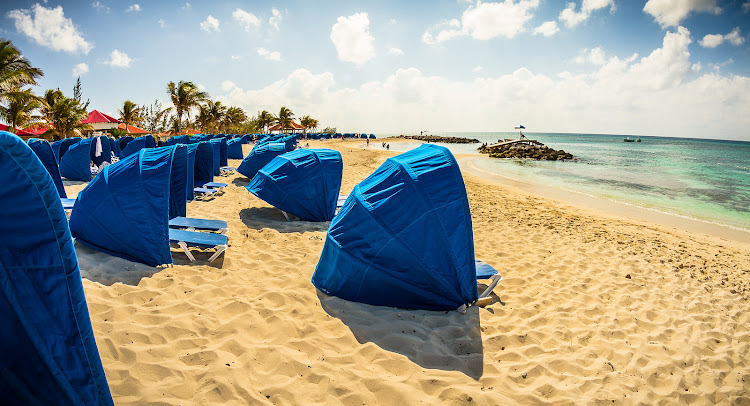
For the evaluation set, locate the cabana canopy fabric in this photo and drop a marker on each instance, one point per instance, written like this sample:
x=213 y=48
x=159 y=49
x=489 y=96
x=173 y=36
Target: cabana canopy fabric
x=261 y=154
x=61 y=147
x=125 y=209
x=234 y=148
x=43 y=151
x=135 y=145
x=123 y=141
x=403 y=237
x=106 y=154
x=49 y=355
x=305 y=182
x=223 y=153
x=114 y=146
x=204 y=163
x=76 y=163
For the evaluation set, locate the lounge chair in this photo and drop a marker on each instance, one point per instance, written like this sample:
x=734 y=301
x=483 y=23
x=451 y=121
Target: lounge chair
x=193 y=224
x=214 y=185
x=186 y=239
x=339 y=203
x=226 y=170
x=67 y=203
x=202 y=192
x=485 y=271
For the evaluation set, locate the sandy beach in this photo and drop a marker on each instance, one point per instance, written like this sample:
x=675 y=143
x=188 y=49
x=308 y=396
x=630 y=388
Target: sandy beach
x=593 y=309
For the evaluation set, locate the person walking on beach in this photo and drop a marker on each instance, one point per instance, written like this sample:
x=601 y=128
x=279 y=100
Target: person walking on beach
x=388 y=147
x=368 y=141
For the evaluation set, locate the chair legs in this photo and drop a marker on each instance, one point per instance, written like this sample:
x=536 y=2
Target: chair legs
x=494 y=280
x=186 y=250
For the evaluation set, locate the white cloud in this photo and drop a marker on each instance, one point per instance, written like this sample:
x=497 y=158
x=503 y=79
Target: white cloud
x=395 y=51
x=714 y=40
x=187 y=6
x=235 y=57
x=275 y=19
x=99 y=7
x=548 y=29
x=485 y=21
x=162 y=23
x=746 y=7
x=352 y=39
x=118 y=59
x=50 y=28
x=671 y=12
x=594 y=56
x=660 y=93
x=477 y=69
x=571 y=18
x=245 y=19
x=211 y=24
x=80 y=69
x=227 y=85
x=270 y=55
x=134 y=8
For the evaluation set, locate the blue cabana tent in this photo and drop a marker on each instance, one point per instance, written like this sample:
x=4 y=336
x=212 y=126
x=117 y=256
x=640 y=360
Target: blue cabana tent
x=204 y=163
x=403 y=237
x=114 y=146
x=150 y=141
x=135 y=145
x=234 y=148
x=223 y=153
x=178 y=139
x=61 y=147
x=372 y=136
x=126 y=209
x=122 y=142
x=305 y=182
x=106 y=153
x=191 y=152
x=49 y=355
x=216 y=157
x=43 y=151
x=259 y=157
x=76 y=163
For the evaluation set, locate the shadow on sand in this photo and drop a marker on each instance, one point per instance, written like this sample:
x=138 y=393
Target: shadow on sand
x=445 y=340
x=241 y=181
x=271 y=217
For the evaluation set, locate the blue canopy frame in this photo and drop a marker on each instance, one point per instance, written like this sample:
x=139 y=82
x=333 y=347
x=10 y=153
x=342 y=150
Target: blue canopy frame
x=261 y=154
x=43 y=151
x=234 y=148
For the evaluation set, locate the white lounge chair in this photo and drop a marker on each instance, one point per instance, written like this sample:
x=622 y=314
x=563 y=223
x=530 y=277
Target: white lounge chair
x=185 y=239
x=484 y=272
x=194 y=224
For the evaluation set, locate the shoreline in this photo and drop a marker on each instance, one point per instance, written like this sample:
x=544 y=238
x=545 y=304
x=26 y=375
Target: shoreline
x=600 y=205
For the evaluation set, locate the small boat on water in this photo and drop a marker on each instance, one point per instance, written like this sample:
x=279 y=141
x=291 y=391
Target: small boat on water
x=628 y=139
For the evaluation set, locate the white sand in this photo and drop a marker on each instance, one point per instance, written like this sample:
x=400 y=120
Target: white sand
x=592 y=310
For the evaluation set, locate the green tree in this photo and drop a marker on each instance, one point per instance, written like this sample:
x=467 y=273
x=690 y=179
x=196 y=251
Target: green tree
x=63 y=115
x=234 y=119
x=265 y=119
x=284 y=118
x=308 y=122
x=185 y=96
x=130 y=114
x=15 y=71
x=155 y=118
x=20 y=110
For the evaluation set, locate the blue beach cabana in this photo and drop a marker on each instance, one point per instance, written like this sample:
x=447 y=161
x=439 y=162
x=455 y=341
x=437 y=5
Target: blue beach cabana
x=305 y=182
x=106 y=150
x=135 y=145
x=76 y=163
x=259 y=157
x=403 y=237
x=126 y=209
x=204 y=163
x=49 y=355
x=234 y=148
x=60 y=147
x=223 y=152
x=114 y=146
x=43 y=151
x=122 y=142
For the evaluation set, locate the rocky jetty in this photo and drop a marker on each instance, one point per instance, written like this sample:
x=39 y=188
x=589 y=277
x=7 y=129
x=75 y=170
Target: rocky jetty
x=446 y=140
x=530 y=149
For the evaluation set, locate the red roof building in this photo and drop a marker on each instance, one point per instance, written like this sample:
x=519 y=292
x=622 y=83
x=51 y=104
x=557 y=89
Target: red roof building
x=97 y=116
x=133 y=129
x=294 y=127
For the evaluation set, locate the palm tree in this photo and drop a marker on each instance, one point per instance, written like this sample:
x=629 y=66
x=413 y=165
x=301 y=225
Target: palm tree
x=264 y=120
x=284 y=118
x=20 y=110
x=185 y=96
x=63 y=115
x=234 y=118
x=15 y=70
x=130 y=113
x=308 y=122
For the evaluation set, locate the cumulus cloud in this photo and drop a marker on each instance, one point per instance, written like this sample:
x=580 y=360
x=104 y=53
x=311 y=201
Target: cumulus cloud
x=49 y=27
x=187 y=7
x=485 y=21
x=477 y=69
x=211 y=24
x=80 y=69
x=548 y=29
x=275 y=19
x=746 y=7
x=118 y=59
x=245 y=19
x=395 y=51
x=572 y=18
x=714 y=40
x=669 y=13
x=352 y=39
x=270 y=55
x=162 y=23
x=99 y=7
x=594 y=56
x=134 y=8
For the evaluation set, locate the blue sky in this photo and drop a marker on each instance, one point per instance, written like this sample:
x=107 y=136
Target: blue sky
x=656 y=67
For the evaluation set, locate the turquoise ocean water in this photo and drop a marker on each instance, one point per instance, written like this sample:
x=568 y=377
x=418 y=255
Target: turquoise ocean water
x=706 y=180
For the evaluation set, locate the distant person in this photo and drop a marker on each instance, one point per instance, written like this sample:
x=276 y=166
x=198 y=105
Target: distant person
x=388 y=146
x=368 y=141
